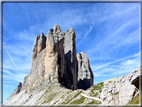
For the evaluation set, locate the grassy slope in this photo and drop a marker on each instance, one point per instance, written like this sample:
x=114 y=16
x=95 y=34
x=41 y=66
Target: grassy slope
x=71 y=97
x=136 y=99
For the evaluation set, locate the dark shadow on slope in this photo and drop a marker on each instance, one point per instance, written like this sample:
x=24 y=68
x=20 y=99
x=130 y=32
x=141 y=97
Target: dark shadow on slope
x=84 y=84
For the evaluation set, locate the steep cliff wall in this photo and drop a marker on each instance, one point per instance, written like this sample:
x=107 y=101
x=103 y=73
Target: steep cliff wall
x=54 y=61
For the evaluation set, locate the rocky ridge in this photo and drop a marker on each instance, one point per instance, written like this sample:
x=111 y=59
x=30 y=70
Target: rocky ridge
x=109 y=92
x=121 y=90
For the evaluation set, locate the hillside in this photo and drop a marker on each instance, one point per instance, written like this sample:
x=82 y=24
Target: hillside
x=59 y=95
x=59 y=76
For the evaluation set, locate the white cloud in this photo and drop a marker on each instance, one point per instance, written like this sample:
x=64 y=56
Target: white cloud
x=11 y=59
x=89 y=30
x=129 y=66
x=7 y=75
x=123 y=66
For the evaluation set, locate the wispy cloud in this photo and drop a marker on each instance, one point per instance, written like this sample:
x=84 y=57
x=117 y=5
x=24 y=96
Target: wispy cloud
x=123 y=66
x=8 y=75
x=107 y=32
x=89 y=30
x=11 y=59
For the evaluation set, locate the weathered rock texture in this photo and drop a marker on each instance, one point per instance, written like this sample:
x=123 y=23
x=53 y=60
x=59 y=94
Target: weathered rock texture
x=17 y=90
x=54 y=61
x=106 y=93
x=121 y=90
x=85 y=76
x=39 y=45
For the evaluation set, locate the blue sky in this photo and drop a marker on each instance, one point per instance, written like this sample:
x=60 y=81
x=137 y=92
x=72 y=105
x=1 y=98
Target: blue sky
x=107 y=32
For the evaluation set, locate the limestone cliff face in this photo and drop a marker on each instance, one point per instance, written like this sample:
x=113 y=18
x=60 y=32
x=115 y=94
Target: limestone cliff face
x=54 y=61
x=85 y=76
x=39 y=45
x=70 y=57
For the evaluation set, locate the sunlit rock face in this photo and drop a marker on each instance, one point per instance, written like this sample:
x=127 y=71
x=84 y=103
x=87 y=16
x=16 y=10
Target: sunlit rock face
x=54 y=61
x=120 y=91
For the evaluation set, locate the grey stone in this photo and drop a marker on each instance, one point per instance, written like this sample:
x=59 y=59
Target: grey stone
x=17 y=90
x=127 y=93
x=70 y=57
x=39 y=45
x=54 y=61
x=85 y=75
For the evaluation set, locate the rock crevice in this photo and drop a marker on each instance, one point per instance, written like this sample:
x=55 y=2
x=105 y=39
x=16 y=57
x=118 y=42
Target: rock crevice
x=54 y=60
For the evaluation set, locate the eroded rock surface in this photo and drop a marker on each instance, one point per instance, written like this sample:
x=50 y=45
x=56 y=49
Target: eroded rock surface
x=39 y=45
x=17 y=90
x=121 y=90
x=54 y=61
x=85 y=75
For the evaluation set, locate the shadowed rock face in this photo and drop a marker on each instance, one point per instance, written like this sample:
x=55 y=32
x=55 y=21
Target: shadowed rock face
x=17 y=90
x=85 y=75
x=54 y=61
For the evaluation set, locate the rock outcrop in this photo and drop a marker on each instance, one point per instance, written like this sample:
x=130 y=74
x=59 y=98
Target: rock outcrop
x=121 y=90
x=54 y=61
x=17 y=90
x=85 y=76
x=39 y=45
x=106 y=93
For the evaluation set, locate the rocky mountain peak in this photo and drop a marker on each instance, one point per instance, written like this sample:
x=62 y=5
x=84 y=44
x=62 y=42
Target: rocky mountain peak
x=54 y=61
x=57 y=28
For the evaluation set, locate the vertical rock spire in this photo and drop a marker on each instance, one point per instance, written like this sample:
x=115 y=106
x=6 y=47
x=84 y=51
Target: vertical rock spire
x=39 y=45
x=54 y=60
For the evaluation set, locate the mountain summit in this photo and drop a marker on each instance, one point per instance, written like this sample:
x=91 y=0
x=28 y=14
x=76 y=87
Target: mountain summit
x=54 y=61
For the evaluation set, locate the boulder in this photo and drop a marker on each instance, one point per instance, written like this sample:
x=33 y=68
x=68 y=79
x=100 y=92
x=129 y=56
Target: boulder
x=127 y=93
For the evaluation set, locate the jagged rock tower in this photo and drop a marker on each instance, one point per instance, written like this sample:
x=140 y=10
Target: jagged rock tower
x=54 y=61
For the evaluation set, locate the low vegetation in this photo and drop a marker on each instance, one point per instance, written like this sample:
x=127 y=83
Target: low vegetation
x=136 y=99
x=79 y=101
x=110 y=82
x=68 y=101
x=135 y=71
x=116 y=93
x=94 y=102
x=98 y=87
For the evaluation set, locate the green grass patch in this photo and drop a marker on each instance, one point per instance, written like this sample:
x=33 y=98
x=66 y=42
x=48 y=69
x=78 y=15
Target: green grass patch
x=79 y=101
x=116 y=93
x=95 y=95
x=136 y=99
x=94 y=102
x=62 y=96
x=135 y=71
x=98 y=86
x=72 y=98
x=49 y=99
x=110 y=82
x=77 y=94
